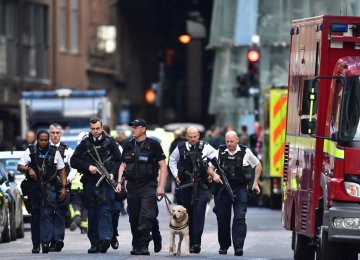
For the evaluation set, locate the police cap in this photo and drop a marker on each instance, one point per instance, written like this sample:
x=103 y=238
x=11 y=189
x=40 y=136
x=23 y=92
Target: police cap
x=138 y=122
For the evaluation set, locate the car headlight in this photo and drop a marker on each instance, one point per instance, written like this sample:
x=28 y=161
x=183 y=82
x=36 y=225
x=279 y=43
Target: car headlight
x=352 y=188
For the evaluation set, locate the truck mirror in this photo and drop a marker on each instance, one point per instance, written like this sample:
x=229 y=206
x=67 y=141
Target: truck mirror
x=309 y=97
x=307 y=126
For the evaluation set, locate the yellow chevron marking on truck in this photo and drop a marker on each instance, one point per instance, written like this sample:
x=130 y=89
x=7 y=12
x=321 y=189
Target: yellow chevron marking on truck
x=278 y=101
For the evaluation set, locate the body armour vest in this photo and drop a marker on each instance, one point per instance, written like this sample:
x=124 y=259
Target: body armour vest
x=103 y=150
x=233 y=165
x=62 y=147
x=186 y=165
x=141 y=165
x=44 y=164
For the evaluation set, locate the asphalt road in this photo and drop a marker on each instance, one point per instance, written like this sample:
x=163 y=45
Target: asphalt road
x=266 y=239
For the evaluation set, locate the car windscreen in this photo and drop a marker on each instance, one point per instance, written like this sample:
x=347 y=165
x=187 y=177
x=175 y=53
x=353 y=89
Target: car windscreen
x=11 y=164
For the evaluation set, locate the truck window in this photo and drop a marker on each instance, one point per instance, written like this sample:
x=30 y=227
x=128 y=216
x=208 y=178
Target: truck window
x=350 y=127
x=335 y=113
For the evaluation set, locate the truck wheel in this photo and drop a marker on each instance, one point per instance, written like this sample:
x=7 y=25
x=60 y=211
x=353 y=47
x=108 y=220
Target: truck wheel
x=302 y=248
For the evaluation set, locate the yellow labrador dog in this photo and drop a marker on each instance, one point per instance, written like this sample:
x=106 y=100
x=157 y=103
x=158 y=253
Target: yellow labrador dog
x=179 y=225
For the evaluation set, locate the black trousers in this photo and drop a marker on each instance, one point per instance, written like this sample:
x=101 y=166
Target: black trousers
x=196 y=211
x=142 y=204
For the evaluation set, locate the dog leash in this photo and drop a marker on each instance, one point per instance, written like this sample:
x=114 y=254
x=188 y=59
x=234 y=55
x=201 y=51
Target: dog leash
x=167 y=202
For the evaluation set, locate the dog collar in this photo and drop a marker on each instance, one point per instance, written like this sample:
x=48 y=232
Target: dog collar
x=179 y=228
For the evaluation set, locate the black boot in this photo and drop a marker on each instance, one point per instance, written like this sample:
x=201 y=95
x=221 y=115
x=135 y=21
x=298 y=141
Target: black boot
x=114 y=243
x=56 y=246
x=143 y=250
x=36 y=250
x=195 y=249
x=45 y=248
x=104 y=245
x=93 y=250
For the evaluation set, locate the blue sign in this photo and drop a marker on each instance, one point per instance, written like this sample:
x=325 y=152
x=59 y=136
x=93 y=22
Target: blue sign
x=124 y=116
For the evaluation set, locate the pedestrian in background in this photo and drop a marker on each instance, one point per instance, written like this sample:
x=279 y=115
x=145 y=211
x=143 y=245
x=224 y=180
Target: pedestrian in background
x=42 y=164
x=142 y=157
x=232 y=158
x=78 y=211
x=97 y=148
x=244 y=138
x=30 y=138
x=193 y=196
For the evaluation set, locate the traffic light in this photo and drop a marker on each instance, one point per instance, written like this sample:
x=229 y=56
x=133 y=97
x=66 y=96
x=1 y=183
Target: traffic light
x=153 y=95
x=253 y=68
x=150 y=96
x=242 y=86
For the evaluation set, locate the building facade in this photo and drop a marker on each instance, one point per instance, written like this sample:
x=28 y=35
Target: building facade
x=52 y=44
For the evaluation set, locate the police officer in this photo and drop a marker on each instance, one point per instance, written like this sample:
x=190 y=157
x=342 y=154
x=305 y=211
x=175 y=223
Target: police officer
x=42 y=163
x=94 y=149
x=189 y=168
x=232 y=158
x=142 y=159
x=78 y=212
x=66 y=152
x=118 y=202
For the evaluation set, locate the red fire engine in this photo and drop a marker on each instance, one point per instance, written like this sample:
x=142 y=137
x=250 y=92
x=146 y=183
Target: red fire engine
x=321 y=181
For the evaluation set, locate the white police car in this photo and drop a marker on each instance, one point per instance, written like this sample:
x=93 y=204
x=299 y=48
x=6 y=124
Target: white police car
x=10 y=161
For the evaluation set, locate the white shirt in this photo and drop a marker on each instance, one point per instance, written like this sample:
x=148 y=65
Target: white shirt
x=25 y=159
x=207 y=152
x=249 y=157
x=67 y=156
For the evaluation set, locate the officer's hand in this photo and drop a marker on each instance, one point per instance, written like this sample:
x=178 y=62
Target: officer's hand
x=256 y=188
x=118 y=188
x=63 y=193
x=92 y=169
x=177 y=180
x=216 y=178
x=32 y=174
x=160 y=191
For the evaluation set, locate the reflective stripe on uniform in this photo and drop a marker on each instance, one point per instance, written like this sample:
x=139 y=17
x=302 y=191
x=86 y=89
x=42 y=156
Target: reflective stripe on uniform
x=76 y=184
x=84 y=224
x=73 y=212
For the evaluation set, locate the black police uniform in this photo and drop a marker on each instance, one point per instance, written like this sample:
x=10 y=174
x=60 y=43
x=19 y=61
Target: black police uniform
x=47 y=223
x=193 y=195
x=97 y=199
x=142 y=166
x=234 y=171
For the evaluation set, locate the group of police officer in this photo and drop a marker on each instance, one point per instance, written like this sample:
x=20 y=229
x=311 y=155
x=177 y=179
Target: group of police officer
x=141 y=171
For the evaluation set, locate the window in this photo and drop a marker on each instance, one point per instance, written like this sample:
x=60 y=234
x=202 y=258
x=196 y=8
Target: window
x=8 y=50
x=62 y=26
x=35 y=41
x=335 y=111
x=75 y=26
x=350 y=123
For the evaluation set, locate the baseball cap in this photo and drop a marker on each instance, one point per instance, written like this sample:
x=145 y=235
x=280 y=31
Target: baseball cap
x=138 y=122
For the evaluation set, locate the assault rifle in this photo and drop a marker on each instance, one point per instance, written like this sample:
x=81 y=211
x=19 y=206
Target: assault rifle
x=195 y=160
x=223 y=178
x=104 y=173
